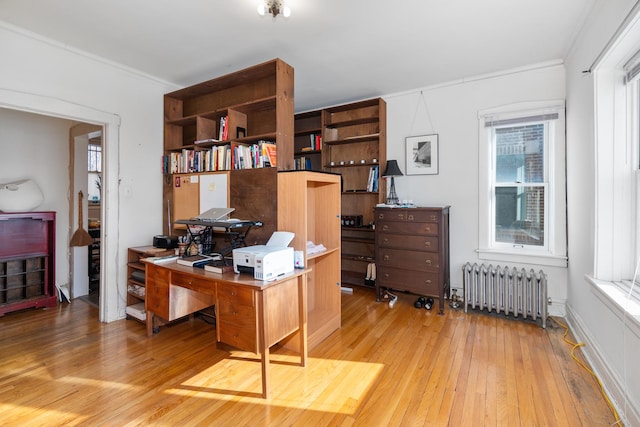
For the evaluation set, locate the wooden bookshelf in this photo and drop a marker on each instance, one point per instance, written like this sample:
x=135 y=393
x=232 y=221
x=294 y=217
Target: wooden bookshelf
x=354 y=142
x=257 y=103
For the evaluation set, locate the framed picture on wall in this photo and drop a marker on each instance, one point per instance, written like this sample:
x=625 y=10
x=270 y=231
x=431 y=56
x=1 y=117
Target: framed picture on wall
x=422 y=154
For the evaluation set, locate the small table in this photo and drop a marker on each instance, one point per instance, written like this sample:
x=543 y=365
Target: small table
x=251 y=314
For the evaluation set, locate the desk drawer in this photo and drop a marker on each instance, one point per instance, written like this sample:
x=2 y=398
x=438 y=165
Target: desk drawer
x=414 y=243
x=244 y=337
x=199 y=284
x=236 y=313
x=238 y=294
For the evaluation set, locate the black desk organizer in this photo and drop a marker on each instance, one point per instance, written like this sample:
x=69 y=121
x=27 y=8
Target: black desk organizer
x=235 y=231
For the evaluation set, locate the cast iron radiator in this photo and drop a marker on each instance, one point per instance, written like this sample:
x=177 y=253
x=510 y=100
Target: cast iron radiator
x=506 y=290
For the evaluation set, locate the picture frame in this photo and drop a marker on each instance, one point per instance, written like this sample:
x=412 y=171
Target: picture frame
x=422 y=154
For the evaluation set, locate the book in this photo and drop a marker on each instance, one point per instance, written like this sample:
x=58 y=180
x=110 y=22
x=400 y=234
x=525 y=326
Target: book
x=195 y=260
x=161 y=259
x=219 y=266
x=269 y=150
x=204 y=141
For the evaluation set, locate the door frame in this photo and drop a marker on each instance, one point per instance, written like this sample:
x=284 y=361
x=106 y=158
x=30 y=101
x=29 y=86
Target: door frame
x=55 y=107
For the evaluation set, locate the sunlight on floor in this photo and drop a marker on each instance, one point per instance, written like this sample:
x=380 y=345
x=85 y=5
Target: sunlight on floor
x=327 y=385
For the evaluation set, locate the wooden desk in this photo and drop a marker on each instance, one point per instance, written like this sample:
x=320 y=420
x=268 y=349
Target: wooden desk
x=251 y=315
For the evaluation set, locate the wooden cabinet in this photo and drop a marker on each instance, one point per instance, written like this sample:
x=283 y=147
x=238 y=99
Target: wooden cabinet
x=354 y=145
x=256 y=102
x=27 y=260
x=309 y=206
x=137 y=281
x=412 y=251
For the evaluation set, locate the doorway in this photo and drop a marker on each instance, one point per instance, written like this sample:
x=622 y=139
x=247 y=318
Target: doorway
x=110 y=124
x=85 y=159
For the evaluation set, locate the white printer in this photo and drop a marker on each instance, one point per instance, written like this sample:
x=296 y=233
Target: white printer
x=266 y=262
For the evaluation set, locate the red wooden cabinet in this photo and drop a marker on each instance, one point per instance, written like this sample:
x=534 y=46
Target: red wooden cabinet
x=27 y=260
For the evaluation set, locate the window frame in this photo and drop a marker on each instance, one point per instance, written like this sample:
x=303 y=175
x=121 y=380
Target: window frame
x=554 y=252
x=94 y=150
x=494 y=243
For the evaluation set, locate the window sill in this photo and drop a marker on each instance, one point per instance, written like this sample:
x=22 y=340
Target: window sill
x=523 y=258
x=615 y=296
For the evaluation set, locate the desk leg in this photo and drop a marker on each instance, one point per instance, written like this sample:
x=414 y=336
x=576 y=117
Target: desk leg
x=263 y=346
x=302 y=316
x=149 y=323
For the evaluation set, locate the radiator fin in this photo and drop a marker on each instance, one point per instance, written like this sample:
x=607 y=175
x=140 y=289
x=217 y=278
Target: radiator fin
x=506 y=290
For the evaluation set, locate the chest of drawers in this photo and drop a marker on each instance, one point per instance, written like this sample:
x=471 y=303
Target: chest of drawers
x=412 y=251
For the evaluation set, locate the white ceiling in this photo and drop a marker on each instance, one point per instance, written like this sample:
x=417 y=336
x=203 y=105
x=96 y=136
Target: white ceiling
x=341 y=50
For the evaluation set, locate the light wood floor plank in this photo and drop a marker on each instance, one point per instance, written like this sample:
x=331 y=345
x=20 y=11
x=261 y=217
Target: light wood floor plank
x=397 y=366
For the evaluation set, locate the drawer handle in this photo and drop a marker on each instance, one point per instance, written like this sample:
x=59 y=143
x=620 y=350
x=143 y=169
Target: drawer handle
x=381 y=216
x=233 y=293
x=433 y=217
x=386 y=275
x=385 y=227
x=428 y=281
x=400 y=216
x=410 y=217
x=427 y=244
x=428 y=262
x=385 y=240
x=386 y=257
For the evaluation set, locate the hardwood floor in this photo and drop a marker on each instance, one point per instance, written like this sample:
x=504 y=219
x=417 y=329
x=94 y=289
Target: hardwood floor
x=400 y=366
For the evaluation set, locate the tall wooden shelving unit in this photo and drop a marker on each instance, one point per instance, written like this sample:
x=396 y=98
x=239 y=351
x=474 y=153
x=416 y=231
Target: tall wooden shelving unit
x=353 y=136
x=309 y=206
x=258 y=104
x=260 y=100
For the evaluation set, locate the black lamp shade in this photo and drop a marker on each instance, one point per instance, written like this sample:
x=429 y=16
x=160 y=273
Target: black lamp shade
x=392 y=169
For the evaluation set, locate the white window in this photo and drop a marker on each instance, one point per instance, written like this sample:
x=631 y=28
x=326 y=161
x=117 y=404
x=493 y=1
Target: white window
x=94 y=160
x=522 y=176
x=617 y=174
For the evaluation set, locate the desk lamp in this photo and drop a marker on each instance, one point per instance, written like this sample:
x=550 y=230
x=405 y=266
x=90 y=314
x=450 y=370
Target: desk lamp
x=390 y=171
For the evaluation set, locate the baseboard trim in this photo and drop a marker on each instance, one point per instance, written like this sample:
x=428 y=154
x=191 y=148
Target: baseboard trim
x=613 y=385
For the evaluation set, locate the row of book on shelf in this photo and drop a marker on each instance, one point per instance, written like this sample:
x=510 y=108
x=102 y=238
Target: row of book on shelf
x=302 y=163
x=315 y=142
x=221 y=157
x=372 y=183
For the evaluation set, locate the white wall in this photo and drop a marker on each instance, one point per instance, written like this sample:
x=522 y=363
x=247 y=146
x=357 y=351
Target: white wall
x=37 y=147
x=41 y=76
x=612 y=347
x=452 y=112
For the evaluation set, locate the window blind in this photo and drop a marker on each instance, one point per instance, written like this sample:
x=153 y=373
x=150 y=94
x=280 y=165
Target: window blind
x=491 y=122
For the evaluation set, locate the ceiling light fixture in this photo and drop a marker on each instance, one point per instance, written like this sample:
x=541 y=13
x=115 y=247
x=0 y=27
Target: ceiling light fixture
x=274 y=7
